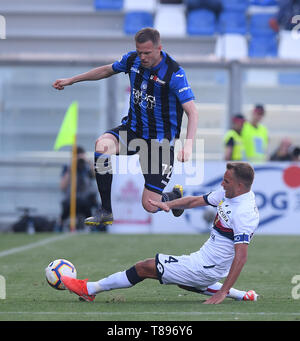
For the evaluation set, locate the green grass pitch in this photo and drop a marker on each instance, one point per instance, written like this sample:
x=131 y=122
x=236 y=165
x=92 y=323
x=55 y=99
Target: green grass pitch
x=272 y=263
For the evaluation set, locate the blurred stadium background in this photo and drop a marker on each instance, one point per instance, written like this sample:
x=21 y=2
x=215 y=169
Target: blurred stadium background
x=232 y=62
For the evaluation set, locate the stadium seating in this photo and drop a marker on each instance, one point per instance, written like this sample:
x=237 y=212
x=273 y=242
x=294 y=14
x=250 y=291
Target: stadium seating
x=201 y=22
x=289 y=78
x=263 y=46
x=231 y=46
x=136 y=20
x=259 y=24
x=263 y=41
x=232 y=22
x=170 y=20
x=264 y=2
x=137 y=5
x=108 y=4
x=289 y=47
x=235 y=5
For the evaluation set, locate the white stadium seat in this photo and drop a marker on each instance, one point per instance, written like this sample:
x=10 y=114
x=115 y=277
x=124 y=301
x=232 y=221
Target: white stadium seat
x=138 y=5
x=170 y=20
x=289 y=45
x=231 y=46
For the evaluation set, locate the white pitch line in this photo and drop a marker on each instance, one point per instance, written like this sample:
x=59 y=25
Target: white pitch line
x=33 y=245
x=102 y=313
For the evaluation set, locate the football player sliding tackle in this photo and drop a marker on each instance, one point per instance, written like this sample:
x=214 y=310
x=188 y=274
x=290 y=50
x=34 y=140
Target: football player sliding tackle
x=223 y=255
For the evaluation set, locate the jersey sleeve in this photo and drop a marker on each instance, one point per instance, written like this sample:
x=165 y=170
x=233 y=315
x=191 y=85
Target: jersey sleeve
x=230 y=142
x=181 y=87
x=215 y=197
x=121 y=65
x=244 y=225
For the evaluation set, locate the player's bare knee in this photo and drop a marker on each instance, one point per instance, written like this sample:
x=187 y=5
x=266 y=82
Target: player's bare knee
x=101 y=146
x=145 y=200
x=146 y=268
x=106 y=144
x=148 y=207
x=141 y=268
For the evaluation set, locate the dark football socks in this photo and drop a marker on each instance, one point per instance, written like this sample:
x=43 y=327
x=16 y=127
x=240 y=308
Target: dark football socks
x=169 y=196
x=103 y=171
x=133 y=276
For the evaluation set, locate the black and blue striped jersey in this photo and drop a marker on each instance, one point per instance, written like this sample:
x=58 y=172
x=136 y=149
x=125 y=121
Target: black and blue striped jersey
x=157 y=95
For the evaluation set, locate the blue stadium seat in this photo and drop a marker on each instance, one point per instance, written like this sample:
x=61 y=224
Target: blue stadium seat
x=259 y=24
x=235 y=5
x=289 y=78
x=201 y=22
x=108 y=5
x=263 y=46
x=136 y=20
x=263 y=42
x=232 y=22
x=264 y=2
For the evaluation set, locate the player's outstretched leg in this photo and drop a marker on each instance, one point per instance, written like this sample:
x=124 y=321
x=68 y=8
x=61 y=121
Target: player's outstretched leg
x=78 y=287
x=101 y=217
x=176 y=193
x=119 y=280
x=238 y=295
x=106 y=145
x=87 y=290
x=104 y=177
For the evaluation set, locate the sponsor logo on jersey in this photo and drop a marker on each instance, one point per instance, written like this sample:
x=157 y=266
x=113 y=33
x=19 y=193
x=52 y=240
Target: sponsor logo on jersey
x=144 y=86
x=184 y=89
x=157 y=80
x=134 y=69
x=141 y=98
x=222 y=213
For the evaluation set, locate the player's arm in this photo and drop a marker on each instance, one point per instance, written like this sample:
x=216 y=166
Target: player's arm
x=229 y=149
x=65 y=181
x=240 y=258
x=228 y=153
x=98 y=73
x=192 y=114
x=183 y=203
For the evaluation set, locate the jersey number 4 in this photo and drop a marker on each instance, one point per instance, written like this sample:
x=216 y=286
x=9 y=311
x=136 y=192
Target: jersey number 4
x=171 y=260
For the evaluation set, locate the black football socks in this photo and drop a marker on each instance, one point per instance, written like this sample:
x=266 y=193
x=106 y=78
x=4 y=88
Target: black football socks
x=104 y=176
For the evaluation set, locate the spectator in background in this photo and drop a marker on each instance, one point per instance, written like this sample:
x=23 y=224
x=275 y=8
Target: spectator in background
x=296 y=154
x=234 y=145
x=285 y=24
x=255 y=136
x=85 y=194
x=287 y=10
x=212 y=5
x=283 y=152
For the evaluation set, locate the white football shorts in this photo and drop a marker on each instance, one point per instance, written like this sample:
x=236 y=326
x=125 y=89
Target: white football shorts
x=187 y=270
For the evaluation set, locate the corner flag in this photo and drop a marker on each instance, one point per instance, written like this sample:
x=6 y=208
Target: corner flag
x=67 y=136
x=68 y=130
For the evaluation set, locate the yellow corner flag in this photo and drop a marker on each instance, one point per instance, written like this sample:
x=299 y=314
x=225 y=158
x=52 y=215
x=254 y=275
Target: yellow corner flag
x=67 y=136
x=68 y=130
